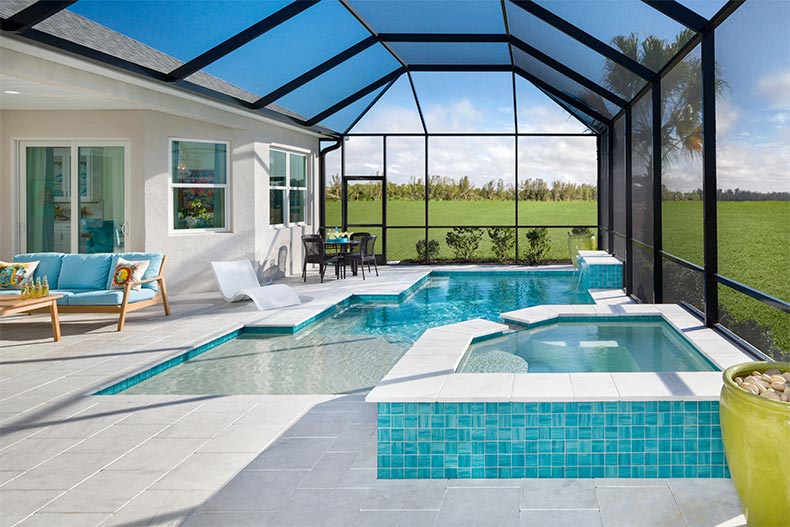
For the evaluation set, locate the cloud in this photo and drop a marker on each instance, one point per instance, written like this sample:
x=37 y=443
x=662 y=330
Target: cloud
x=480 y=158
x=537 y=119
x=776 y=88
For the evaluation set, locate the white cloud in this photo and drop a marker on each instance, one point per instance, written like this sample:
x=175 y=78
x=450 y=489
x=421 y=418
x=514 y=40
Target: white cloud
x=775 y=87
x=536 y=119
x=480 y=158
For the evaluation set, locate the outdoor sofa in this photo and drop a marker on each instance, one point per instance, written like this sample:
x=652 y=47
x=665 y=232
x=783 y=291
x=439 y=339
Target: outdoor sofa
x=85 y=282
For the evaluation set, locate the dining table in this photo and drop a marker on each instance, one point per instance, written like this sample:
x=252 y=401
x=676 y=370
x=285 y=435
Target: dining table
x=341 y=247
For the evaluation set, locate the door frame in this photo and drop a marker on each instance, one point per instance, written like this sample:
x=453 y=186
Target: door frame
x=20 y=144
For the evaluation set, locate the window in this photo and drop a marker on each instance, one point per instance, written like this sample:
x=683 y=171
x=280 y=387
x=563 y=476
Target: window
x=287 y=185
x=199 y=181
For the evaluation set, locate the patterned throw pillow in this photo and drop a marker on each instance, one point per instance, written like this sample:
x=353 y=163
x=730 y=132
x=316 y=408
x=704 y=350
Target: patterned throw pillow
x=126 y=271
x=16 y=274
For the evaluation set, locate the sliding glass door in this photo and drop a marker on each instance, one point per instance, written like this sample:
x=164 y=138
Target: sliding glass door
x=73 y=197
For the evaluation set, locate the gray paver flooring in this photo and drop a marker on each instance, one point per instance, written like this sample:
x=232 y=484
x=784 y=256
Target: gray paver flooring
x=332 y=492
x=68 y=459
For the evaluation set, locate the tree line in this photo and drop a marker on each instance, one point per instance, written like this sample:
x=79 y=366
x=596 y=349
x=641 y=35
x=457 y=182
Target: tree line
x=444 y=188
x=724 y=195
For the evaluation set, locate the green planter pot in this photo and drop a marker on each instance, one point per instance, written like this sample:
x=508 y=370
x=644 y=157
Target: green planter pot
x=756 y=434
x=580 y=242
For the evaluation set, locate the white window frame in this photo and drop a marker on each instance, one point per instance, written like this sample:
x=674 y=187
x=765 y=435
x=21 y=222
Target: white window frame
x=287 y=187
x=170 y=186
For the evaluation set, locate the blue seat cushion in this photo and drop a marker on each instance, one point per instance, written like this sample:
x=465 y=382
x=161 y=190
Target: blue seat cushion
x=84 y=271
x=66 y=295
x=61 y=301
x=154 y=265
x=49 y=265
x=111 y=297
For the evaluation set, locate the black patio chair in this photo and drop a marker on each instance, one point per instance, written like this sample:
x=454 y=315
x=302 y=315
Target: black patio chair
x=359 y=235
x=365 y=256
x=315 y=253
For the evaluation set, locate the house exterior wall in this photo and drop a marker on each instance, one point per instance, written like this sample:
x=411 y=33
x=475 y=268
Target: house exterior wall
x=277 y=251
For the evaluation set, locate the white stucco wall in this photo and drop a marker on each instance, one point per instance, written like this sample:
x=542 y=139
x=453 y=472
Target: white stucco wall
x=147 y=131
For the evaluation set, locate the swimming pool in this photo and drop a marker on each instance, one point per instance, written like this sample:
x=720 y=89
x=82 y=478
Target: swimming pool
x=592 y=345
x=353 y=348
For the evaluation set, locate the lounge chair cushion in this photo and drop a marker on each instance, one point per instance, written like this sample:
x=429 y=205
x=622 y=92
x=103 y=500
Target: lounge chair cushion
x=154 y=264
x=49 y=265
x=112 y=297
x=84 y=271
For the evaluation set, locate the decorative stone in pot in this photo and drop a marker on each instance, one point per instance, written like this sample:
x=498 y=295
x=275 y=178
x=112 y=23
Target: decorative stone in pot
x=755 y=427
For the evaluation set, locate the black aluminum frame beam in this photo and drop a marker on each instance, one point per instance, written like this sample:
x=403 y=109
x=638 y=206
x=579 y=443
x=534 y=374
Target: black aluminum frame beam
x=568 y=72
x=658 y=234
x=562 y=96
x=585 y=38
x=571 y=112
x=629 y=205
x=371 y=105
x=306 y=77
x=241 y=38
x=390 y=77
x=460 y=38
x=709 y=180
x=679 y=13
x=460 y=67
x=33 y=14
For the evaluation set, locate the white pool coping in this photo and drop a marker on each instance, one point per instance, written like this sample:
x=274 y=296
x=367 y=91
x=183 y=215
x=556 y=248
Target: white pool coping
x=427 y=372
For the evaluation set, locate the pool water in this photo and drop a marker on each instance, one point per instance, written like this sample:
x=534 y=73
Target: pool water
x=590 y=346
x=353 y=349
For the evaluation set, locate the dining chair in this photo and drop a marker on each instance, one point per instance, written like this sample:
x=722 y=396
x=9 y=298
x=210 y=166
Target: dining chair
x=315 y=253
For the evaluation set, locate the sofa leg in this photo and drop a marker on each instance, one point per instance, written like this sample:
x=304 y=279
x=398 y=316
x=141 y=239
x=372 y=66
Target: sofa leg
x=163 y=290
x=122 y=318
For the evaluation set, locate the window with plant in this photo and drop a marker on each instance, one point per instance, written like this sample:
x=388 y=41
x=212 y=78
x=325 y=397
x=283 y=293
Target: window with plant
x=287 y=188
x=199 y=181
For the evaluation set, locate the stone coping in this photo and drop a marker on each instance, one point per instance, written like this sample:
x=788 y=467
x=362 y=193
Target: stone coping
x=427 y=372
x=598 y=258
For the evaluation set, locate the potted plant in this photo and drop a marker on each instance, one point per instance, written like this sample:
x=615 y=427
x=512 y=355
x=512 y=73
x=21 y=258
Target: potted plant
x=580 y=239
x=755 y=428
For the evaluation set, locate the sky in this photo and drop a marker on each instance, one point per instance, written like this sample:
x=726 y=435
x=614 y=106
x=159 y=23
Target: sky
x=753 y=110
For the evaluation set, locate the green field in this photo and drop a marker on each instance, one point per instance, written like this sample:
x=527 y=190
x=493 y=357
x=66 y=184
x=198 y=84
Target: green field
x=401 y=243
x=754 y=246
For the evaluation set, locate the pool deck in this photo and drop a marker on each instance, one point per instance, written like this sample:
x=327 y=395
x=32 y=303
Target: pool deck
x=70 y=459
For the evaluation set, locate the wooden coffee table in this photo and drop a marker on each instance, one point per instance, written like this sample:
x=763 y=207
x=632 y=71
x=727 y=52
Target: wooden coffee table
x=12 y=306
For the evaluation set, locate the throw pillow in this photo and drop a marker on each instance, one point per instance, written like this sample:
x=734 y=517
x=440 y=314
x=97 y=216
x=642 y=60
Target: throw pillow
x=126 y=271
x=17 y=274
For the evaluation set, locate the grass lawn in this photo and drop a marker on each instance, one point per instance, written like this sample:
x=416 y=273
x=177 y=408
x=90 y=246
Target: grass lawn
x=754 y=244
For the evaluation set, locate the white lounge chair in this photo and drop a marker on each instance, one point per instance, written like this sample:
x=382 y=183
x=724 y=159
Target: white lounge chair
x=237 y=281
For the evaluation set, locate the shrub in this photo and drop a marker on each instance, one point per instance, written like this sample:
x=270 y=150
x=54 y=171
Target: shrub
x=539 y=245
x=581 y=230
x=502 y=240
x=433 y=250
x=464 y=241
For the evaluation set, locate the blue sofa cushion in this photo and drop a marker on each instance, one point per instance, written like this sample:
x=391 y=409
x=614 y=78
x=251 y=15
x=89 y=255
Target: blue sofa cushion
x=84 y=271
x=112 y=297
x=49 y=265
x=155 y=263
x=61 y=301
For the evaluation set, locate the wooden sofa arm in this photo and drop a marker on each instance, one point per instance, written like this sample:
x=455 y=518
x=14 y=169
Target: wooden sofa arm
x=162 y=292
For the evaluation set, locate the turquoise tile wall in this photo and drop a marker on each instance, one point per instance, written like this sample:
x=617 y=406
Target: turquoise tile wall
x=600 y=276
x=618 y=439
